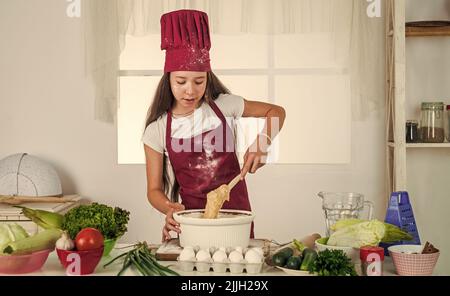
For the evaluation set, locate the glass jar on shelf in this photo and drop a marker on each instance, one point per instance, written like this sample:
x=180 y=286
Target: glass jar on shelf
x=432 y=122
x=412 y=131
x=448 y=123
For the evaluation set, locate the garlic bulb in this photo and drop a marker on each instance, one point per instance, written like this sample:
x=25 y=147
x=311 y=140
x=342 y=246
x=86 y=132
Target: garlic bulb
x=64 y=242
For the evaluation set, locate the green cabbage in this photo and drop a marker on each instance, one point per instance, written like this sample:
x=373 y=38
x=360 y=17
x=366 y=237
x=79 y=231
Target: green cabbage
x=11 y=233
x=345 y=223
x=357 y=233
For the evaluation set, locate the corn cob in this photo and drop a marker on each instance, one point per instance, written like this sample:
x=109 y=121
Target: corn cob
x=41 y=241
x=44 y=219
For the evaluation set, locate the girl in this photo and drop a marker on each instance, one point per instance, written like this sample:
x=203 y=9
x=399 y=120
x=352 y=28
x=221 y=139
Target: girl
x=189 y=137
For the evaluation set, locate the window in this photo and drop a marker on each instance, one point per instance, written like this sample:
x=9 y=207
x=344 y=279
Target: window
x=296 y=71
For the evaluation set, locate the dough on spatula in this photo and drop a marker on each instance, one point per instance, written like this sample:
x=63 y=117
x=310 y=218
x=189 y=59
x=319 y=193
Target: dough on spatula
x=215 y=200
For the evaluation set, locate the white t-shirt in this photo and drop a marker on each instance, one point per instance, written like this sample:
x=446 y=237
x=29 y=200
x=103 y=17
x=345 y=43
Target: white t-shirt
x=202 y=120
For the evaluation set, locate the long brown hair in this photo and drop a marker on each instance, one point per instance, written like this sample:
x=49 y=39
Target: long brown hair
x=163 y=101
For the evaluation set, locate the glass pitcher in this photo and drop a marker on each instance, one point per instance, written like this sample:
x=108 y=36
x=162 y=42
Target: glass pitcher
x=343 y=205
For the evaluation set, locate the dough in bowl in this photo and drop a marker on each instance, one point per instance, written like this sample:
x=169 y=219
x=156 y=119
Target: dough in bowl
x=215 y=200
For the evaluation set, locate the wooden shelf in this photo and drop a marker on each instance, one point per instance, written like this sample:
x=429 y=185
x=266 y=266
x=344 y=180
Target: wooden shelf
x=428 y=145
x=423 y=145
x=427 y=31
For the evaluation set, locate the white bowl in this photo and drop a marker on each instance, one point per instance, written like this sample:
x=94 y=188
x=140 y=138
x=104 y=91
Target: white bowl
x=230 y=229
x=352 y=253
x=406 y=249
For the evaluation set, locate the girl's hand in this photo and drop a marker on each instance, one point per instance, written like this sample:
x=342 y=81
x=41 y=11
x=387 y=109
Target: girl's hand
x=255 y=157
x=171 y=224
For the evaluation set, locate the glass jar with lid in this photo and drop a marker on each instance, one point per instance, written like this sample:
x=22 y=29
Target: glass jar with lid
x=432 y=122
x=412 y=131
x=448 y=123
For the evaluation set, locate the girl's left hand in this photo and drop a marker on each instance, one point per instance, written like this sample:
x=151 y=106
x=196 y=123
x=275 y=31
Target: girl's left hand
x=171 y=224
x=254 y=158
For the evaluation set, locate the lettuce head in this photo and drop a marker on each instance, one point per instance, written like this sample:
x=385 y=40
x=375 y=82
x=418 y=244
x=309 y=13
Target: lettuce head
x=10 y=233
x=368 y=233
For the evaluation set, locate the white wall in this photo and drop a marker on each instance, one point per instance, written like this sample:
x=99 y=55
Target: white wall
x=46 y=109
x=428 y=170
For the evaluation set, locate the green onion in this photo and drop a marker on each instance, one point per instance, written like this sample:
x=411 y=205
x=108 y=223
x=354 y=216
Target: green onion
x=142 y=259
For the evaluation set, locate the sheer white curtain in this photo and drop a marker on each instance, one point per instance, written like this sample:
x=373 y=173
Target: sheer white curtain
x=359 y=39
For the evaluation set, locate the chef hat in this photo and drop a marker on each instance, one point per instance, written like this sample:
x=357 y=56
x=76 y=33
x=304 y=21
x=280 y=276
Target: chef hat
x=185 y=37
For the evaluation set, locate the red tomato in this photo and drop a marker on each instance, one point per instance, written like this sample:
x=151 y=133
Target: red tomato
x=88 y=239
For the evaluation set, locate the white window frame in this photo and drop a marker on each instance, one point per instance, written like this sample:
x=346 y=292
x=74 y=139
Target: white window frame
x=270 y=72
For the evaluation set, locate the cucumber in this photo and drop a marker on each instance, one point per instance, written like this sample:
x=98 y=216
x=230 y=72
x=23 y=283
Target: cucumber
x=280 y=258
x=42 y=241
x=294 y=262
x=309 y=256
x=286 y=252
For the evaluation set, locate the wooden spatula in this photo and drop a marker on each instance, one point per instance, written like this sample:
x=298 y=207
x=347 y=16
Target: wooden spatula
x=17 y=200
x=234 y=182
x=217 y=197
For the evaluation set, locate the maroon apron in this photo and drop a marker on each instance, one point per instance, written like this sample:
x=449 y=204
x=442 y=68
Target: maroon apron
x=209 y=163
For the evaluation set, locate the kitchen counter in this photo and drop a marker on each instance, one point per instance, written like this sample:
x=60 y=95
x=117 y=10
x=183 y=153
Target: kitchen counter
x=54 y=268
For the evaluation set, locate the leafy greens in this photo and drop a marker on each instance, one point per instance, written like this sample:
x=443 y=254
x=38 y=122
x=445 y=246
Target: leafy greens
x=111 y=222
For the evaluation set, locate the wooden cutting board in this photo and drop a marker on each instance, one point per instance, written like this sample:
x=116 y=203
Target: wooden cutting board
x=19 y=200
x=170 y=250
x=10 y=211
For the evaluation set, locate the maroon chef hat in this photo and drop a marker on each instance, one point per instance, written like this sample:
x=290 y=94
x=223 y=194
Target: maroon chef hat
x=185 y=37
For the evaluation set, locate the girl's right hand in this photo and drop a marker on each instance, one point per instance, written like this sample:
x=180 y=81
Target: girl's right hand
x=171 y=224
